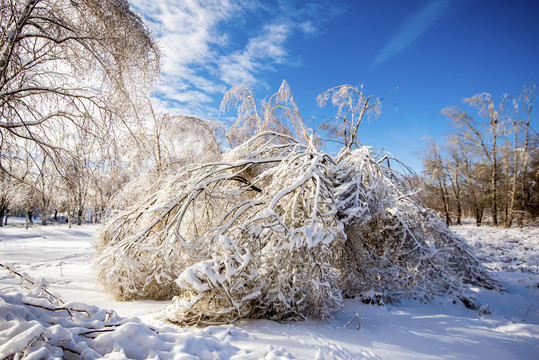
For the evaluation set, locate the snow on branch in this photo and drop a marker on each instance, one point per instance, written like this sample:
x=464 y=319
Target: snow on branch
x=41 y=325
x=278 y=230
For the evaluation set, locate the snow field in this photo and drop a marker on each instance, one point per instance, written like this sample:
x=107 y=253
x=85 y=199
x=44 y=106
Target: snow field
x=440 y=329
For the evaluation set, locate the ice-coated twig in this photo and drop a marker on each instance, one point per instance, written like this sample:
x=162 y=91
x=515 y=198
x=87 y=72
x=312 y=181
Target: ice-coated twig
x=25 y=279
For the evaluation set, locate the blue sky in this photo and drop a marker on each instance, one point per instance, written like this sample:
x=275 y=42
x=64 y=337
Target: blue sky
x=435 y=52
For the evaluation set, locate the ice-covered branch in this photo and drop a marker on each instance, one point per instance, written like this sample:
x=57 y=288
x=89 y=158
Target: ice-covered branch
x=318 y=229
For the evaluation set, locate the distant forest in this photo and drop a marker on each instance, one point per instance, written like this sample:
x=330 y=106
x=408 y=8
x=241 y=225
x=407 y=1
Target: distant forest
x=488 y=168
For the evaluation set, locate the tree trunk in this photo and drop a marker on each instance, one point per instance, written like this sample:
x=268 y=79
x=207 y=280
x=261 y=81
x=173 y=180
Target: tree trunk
x=28 y=219
x=455 y=186
x=506 y=195
x=524 y=188
x=477 y=212
x=478 y=216
x=459 y=212
x=446 y=206
x=494 y=180
x=456 y=189
x=512 y=208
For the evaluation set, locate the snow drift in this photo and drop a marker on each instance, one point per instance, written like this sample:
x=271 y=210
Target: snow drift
x=40 y=325
x=281 y=231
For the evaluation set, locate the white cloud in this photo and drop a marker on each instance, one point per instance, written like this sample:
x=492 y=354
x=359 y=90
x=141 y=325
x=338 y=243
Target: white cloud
x=261 y=52
x=187 y=96
x=308 y=27
x=207 y=46
x=187 y=30
x=417 y=25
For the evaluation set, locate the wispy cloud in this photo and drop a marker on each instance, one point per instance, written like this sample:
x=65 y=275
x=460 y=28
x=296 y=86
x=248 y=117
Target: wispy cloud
x=261 y=52
x=189 y=37
x=412 y=29
x=211 y=45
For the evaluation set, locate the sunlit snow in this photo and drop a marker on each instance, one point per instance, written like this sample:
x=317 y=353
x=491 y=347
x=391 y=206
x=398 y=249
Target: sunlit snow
x=443 y=328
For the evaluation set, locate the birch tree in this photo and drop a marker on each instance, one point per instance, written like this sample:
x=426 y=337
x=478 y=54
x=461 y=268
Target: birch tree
x=527 y=97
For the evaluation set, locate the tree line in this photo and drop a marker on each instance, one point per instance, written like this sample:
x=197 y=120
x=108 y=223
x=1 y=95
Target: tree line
x=488 y=167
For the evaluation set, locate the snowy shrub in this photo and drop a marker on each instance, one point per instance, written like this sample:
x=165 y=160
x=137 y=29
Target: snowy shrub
x=279 y=230
x=395 y=247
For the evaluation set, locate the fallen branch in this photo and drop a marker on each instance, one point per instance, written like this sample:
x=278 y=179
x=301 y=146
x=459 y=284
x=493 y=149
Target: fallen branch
x=32 y=282
x=69 y=310
x=355 y=318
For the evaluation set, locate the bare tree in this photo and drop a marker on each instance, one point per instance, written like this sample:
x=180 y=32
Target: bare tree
x=352 y=106
x=4 y=201
x=455 y=171
x=495 y=155
x=473 y=180
x=482 y=135
x=67 y=66
x=511 y=163
x=437 y=174
x=5 y=189
x=24 y=195
x=487 y=108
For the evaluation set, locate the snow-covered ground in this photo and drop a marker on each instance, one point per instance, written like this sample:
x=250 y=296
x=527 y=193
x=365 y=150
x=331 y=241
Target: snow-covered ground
x=441 y=329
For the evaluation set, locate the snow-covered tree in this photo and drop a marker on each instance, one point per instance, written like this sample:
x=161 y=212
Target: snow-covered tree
x=280 y=230
x=166 y=143
x=68 y=71
x=280 y=114
x=353 y=106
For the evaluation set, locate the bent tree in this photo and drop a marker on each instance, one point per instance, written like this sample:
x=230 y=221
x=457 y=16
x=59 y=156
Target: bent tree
x=281 y=230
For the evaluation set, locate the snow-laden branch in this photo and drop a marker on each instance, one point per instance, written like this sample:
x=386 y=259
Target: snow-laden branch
x=35 y=326
x=297 y=234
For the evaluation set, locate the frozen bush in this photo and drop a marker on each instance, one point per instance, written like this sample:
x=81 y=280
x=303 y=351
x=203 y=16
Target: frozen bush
x=279 y=230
